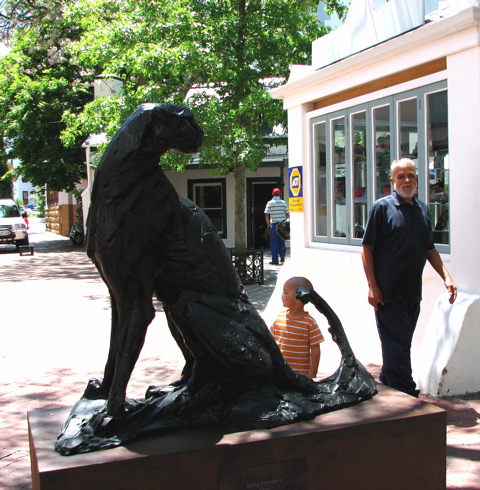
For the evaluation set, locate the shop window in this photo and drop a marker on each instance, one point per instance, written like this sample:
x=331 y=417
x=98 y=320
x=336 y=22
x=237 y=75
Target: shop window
x=408 y=130
x=320 y=159
x=382 y=144
x=354 y=148
x=360 y=176
x=339 y=177
x=209 y=196
x=438 y=164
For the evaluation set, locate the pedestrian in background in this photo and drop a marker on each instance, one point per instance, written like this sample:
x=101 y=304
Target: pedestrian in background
x=276 y=211
x=398 y=241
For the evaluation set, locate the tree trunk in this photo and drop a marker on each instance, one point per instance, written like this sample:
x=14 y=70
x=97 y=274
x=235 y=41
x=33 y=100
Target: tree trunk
x=240 y=218
x=240 y=210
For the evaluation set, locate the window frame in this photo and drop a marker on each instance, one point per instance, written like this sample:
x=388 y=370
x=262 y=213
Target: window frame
x=393 y=101
x=193 y=183
x=331 y=221
x=432 y=89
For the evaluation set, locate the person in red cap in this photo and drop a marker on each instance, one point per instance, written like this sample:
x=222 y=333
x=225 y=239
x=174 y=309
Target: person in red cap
x=276 y=211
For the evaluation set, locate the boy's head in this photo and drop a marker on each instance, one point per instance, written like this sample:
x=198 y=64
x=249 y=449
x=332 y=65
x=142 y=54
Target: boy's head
x=289 y=299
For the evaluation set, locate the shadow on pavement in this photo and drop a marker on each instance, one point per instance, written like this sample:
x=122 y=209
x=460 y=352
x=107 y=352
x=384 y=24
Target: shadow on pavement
x=52 y=259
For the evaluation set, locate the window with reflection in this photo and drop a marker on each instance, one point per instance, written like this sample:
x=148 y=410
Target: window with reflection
x=209 y=196
x=383 y=160
x=438 y=164
x=320 y=162
x=353 y=151
x=359 y=152
x=339 y=196
x=408 y=134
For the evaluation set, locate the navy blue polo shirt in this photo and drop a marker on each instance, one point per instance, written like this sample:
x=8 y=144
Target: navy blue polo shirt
x=401 y=235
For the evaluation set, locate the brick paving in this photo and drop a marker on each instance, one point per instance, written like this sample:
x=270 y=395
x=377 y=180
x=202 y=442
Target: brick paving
x=55 y=323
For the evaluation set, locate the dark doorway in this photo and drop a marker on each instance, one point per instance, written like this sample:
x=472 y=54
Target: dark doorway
x=259 y=192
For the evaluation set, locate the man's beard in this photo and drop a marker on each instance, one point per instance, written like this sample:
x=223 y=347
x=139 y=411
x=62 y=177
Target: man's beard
x=407 y=193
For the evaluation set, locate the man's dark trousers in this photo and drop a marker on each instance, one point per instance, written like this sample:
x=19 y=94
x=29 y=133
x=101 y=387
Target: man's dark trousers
x=396 y=322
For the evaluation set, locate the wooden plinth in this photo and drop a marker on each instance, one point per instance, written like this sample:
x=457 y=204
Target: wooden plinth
x=391 y=442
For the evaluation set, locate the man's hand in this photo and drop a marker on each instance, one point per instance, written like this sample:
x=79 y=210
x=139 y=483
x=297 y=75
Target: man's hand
x=452 y=290
x=375 y=297
x=436 y=262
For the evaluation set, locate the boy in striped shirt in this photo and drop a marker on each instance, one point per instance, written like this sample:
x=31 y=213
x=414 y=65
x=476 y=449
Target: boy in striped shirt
x=296 y=332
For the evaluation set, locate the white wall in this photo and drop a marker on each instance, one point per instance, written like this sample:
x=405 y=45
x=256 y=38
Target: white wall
x=19 y=186
x=464 y=111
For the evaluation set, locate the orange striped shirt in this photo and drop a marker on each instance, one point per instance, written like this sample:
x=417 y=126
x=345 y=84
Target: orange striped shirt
x=295 y=337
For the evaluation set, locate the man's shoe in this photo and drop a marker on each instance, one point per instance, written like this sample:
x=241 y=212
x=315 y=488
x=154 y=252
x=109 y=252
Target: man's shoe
x=282 y=259
x=273 y=263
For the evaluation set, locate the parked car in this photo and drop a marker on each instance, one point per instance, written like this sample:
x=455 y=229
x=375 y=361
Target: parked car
x=32 y=209
x=13 y=229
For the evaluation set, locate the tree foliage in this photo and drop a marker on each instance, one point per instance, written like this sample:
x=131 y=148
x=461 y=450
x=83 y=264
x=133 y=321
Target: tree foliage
x=219 y=57
x=39 y=81
x=217 y=54
x=17 y=15
x=6 y=186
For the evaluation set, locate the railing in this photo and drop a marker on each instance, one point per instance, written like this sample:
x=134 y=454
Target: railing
x=249 y=266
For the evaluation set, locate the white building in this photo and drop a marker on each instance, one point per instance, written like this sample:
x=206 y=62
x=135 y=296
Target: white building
x=22 y=191
x=216 y=196
x=392 y=82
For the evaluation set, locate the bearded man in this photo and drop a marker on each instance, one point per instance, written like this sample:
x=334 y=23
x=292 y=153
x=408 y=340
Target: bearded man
x=398 y=241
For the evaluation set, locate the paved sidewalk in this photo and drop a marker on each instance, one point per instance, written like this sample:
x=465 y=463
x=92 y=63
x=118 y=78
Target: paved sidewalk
x=55 y=324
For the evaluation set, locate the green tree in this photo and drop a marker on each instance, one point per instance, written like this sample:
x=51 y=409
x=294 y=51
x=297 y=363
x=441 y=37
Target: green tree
x=6 y=185
x=38 y=83
x=219 y=57
x=17 y=15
